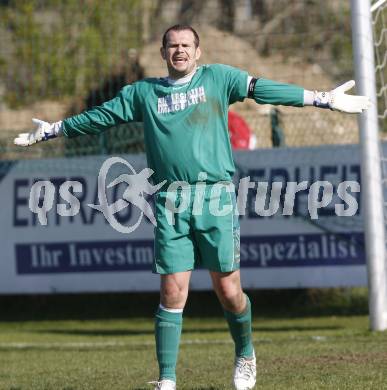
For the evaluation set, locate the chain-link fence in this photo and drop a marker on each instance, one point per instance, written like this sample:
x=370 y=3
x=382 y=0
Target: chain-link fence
x=58 y=58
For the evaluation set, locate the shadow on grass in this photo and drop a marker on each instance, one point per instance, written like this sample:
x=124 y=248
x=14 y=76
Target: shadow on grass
x=266 y=303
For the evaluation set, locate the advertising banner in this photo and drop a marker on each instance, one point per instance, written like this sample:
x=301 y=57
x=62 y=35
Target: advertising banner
x=72 y=225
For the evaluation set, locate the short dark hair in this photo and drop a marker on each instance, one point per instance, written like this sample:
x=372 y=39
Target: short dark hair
x=181 y=27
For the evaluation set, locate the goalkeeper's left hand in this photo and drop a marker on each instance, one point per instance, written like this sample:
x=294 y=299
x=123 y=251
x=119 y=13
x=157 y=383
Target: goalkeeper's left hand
x=43 y=132
x=338 y=100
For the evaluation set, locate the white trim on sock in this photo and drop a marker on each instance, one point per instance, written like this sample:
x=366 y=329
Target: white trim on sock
x=170 y=310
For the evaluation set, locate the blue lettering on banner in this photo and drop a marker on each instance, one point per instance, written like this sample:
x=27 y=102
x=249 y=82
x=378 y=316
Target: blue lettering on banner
x=303 y=250
x=256 y=251
x=332 y=173
x=19 y=201
x=92 y=256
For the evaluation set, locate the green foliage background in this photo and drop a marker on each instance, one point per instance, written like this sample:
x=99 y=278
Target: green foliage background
x=316 y=31
x=58 y=48
x=53 y=48
x=61 y=50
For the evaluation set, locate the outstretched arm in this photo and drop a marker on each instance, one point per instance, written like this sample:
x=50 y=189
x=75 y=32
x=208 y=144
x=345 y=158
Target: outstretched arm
x=125 y=107
x=265 y=91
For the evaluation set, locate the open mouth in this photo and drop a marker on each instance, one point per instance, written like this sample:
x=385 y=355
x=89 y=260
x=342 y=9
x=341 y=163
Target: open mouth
x=179 y=61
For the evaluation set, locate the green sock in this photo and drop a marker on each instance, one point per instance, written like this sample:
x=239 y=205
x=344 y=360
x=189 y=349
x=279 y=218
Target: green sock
x=168 y=330
x=240 y=329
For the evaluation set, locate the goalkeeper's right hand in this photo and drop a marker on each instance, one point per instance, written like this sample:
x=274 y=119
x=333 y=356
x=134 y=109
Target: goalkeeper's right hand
x=43 y=132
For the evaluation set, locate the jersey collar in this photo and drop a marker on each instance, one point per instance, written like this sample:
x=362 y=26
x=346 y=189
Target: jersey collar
x=182 y=80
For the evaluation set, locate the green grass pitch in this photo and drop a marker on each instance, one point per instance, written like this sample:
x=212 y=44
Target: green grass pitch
x=329 y=352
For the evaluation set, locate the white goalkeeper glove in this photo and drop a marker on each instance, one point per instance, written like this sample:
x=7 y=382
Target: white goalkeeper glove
x=43 y=132
x=338 y=100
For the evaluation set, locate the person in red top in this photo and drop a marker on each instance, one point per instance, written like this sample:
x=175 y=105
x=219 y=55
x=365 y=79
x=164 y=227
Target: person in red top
x=241 y=136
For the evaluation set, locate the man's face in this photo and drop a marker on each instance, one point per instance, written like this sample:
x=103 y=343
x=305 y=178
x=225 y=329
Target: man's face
x=180 y=53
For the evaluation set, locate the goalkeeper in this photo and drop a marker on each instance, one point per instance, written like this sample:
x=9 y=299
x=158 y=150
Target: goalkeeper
x=186 y=137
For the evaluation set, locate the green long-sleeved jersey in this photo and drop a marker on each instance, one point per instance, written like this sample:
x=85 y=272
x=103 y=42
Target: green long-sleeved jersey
x=185 y=125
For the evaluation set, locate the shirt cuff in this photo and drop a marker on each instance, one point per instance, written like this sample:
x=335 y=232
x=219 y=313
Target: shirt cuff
x=249 y=78
x=57 y=128
x=308 y=97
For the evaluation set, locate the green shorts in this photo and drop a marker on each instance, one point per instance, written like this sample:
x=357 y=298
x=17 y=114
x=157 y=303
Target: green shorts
x=197 y=227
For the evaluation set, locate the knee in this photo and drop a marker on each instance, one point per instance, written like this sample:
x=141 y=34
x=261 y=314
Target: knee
x=232 y=298
x=173 y=296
